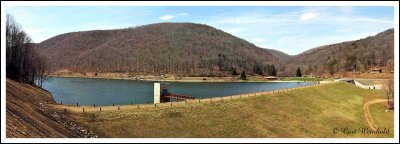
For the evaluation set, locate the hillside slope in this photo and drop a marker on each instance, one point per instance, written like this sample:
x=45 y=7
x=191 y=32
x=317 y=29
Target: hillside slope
x=24 y=117
x=281 y=56
x=359 y=55
x=163 y=48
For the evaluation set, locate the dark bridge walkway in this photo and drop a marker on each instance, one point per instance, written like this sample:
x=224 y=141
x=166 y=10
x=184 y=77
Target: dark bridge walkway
x=178 y=97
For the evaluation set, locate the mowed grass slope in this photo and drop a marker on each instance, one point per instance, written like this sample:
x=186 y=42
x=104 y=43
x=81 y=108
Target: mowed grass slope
x=308 y=112
x=382 y=118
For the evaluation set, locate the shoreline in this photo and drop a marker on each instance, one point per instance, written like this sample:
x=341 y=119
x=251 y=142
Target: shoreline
x=208 y=79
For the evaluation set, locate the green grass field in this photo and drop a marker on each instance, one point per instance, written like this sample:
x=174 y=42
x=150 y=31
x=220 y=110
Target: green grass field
x=304 y=79
x=382 y=118
x=308 y=112
x=262 y=79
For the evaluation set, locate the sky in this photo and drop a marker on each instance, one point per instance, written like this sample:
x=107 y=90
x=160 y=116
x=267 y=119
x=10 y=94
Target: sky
x=288 y=29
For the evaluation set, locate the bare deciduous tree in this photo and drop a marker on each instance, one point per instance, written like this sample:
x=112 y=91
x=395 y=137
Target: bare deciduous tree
x=22 y=61
x=388 y=86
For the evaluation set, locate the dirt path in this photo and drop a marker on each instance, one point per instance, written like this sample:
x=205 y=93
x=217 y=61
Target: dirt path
x=367 y=114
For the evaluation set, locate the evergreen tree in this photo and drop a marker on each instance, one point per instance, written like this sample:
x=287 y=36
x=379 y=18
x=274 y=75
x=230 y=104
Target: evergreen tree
x=267 y=70
x=243 y=76
x=257 y=69
x=273 y=70
x=298 y=72
x=233 y=71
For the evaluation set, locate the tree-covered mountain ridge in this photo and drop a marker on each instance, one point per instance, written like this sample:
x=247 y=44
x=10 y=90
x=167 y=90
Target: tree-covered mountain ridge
x=187 y=49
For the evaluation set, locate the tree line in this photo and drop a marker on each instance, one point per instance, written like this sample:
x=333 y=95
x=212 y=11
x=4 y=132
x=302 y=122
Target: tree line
x=23 y=63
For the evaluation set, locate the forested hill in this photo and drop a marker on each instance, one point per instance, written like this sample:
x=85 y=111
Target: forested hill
x=189 y=49
x=359 y=56
x=163 y=48
x=281 y=56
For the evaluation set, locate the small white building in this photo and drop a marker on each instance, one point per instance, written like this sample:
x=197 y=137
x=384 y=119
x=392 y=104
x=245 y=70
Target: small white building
x=271 y=78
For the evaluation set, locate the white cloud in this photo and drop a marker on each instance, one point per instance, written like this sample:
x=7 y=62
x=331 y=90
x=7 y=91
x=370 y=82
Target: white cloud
x=170 y=16
x=166 y=17
x=308 y=16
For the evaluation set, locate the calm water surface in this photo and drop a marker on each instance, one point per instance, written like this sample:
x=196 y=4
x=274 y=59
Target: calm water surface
x=108 y=92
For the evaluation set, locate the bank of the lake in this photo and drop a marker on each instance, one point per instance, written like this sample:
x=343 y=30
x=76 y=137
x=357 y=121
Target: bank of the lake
x=173 y=78
x=197 y=79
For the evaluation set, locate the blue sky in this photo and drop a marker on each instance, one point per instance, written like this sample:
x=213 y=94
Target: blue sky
x=288 y=29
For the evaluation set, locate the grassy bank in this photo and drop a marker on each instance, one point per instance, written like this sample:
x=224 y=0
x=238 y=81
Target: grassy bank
x=309 y=112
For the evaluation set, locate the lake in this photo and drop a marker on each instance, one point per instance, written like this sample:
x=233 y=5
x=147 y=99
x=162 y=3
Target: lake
x=108 y=92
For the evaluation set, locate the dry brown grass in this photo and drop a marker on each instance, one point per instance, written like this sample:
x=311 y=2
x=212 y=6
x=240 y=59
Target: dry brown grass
x=308 y=112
